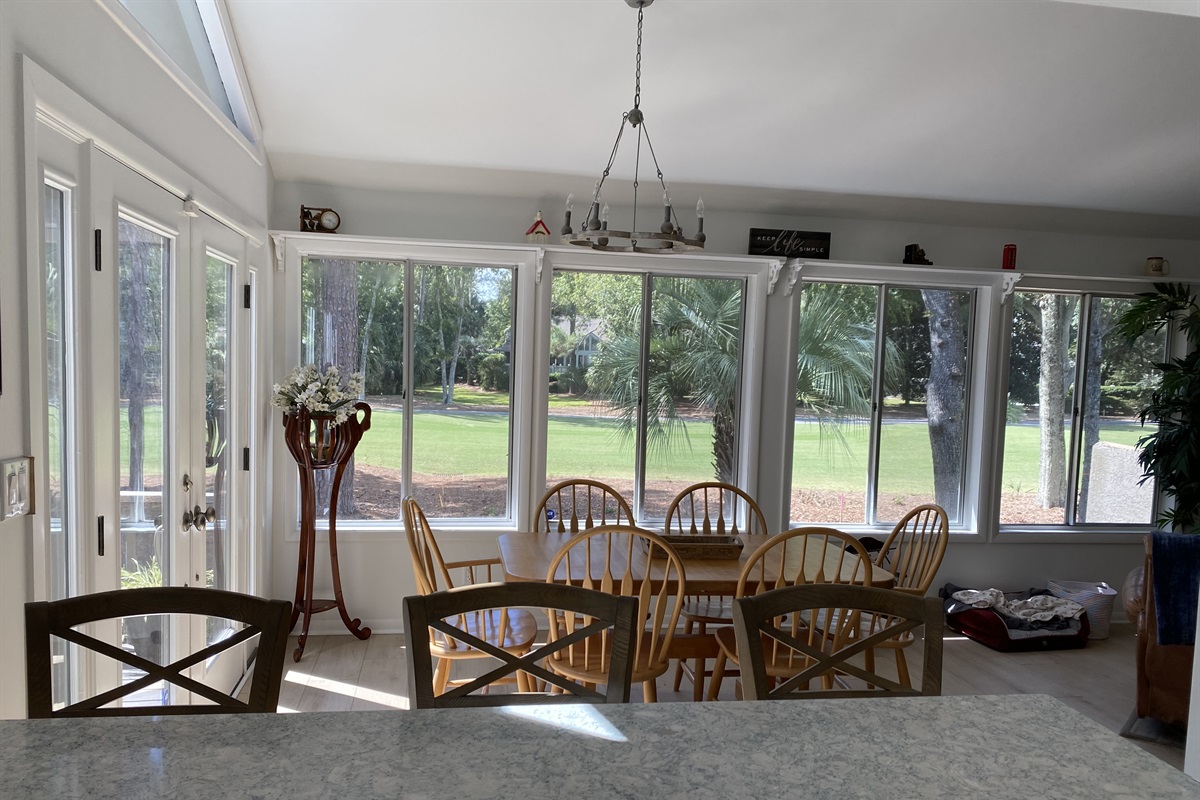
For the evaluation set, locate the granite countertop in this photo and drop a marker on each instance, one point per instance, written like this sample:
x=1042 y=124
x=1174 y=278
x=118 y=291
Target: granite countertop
x=1013 y=746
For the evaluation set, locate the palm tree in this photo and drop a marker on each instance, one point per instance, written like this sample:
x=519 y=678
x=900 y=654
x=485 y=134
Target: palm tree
x=695 y=347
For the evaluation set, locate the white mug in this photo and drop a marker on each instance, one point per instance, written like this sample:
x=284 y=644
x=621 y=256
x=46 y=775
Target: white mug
x=1157 y=266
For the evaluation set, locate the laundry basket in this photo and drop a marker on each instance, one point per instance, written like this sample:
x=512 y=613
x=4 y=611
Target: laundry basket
x=1096 y=597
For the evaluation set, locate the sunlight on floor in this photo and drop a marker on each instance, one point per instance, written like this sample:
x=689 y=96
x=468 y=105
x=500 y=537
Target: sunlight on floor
x=347 y=689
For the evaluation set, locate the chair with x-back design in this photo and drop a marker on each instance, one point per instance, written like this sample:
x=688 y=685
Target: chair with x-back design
x=608 y=620
x=814 y=625
x=266 y=619
x=792 y=558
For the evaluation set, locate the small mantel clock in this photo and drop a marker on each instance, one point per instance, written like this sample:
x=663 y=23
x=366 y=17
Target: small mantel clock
x=319 y=220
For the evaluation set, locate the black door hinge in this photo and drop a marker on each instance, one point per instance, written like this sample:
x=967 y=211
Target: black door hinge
x=246 y=295
x=97 y=248
x=245 y=459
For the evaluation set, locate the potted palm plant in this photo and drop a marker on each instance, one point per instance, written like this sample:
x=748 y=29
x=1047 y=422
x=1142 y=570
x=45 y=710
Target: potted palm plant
x=1170 y=454
x=1164 y=588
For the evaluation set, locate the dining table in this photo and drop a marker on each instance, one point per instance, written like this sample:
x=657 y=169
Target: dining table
x=1006 y=747
x=527 y=557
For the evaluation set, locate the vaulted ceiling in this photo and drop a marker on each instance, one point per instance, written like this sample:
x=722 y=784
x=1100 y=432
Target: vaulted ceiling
x=986 y=112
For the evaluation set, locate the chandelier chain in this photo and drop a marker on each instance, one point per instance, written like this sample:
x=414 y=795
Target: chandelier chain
x=637 y=79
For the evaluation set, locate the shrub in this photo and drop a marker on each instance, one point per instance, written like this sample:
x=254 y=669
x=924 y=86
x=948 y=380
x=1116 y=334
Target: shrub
x=493 y=372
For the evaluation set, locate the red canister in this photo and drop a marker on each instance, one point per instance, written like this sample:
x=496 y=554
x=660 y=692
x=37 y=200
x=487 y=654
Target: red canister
x=1010 y=257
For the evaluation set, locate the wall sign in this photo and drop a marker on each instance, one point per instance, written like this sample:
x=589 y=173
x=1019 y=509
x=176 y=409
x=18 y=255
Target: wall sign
x=788 y=244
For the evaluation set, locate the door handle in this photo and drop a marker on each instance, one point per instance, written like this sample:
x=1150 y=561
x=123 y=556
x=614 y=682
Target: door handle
x=199 y=518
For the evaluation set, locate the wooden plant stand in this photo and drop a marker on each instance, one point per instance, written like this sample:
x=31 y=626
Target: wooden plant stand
x=317 y=444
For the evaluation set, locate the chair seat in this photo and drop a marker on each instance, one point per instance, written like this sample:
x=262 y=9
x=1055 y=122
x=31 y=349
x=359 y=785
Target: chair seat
x=486 y=625
x=797 y=664
x=593 y=669
x=715 y=609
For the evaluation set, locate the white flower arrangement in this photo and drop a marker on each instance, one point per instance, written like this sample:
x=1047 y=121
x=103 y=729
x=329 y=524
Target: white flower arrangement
x=321 y=393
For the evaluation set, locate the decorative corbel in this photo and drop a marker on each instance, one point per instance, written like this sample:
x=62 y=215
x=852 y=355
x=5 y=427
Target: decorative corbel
x=793 y=276
x=774 y=267
x=541 y=256
x=277 y=239
x=1010 y=283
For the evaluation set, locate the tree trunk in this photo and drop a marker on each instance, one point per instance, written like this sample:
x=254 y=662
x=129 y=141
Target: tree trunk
x=1090 y=407
x=1052 y=476
x=724 y=457
x=945 y=395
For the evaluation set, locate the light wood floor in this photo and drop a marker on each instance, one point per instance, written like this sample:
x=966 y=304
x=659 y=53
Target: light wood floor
x=342 y=673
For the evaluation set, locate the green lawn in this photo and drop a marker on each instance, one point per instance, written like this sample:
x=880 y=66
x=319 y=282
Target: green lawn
x=474 y=443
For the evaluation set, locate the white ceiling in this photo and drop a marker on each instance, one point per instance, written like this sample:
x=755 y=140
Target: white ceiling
x=1029 y=114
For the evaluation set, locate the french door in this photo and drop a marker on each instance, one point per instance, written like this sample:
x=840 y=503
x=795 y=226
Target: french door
x=149 y=336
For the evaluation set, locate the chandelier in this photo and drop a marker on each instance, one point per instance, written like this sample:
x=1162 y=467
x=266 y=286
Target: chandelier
x=595 y=233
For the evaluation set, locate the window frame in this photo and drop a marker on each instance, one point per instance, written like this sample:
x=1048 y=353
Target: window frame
x=991 y=291
x=292 y=249
x=1087 y=533
x=759 y=276
x=533 y=267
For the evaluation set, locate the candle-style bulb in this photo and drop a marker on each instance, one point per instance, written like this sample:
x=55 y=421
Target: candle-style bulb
x=596 y=193
x=566 y=228
x=604 y=215
x=666 y=197
x=700 y=208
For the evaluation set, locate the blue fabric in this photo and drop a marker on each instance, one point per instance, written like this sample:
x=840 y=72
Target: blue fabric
x=1176 y=582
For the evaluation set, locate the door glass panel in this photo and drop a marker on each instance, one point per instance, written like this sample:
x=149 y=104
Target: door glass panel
x=56 y=225
x=693 y=381
x=594 y=375
x=145 y=259
x=922 y=435
x=218 y=305
x=835 y=365
x=352 y=315
x=462 y=407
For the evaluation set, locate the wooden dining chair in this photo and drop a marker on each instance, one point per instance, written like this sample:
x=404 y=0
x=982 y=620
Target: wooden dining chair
x=269 y=620
x=794 y=557
x=709 y=508
x=812 y=623
x=913 y=552
x=579 y=504
x=511 y=630
x=589 y=615
x=629 y=562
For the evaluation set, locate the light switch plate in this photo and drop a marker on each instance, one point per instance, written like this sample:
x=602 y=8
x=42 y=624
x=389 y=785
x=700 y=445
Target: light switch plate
x=16 y=487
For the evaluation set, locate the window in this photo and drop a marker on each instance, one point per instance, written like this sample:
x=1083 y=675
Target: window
x=644 y=377
x=191 y=34
x=1072 y=427
x=881 y=400
x=434 y=342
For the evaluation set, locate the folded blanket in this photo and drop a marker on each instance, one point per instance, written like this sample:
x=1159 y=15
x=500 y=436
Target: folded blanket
x=1176 y=583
